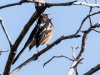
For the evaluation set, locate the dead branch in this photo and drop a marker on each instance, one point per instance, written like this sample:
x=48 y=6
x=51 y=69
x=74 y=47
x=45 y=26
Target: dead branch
x=62 y=56
x=5 y=31
x=96 y=30
x=57 y=57
x=2 y=51
x=37 y=1
x=20 y=37
x=90 y=16
x=35 y=56
x=73 y=52
x=83 y=46
x=85 y=38
x=76 y=70
x=85 y=20
x=93 y=70
x=87 y=4
x=53 y=4
x=13 y=4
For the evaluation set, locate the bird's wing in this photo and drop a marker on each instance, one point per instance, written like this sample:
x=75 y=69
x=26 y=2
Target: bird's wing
x=44 y=32
x=33 y=33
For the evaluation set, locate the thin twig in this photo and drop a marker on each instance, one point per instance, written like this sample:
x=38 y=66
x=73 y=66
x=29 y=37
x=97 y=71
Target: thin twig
x=93 y=70
x=54 y=4
x=90 y=16
x=35 y=56
x=84 y=38
x=13 y=4
x=76 y=70
x=2 y=51
x=77 y=47
x=87 y=4
x=73 y=52
x=96 y=30
x=84 y=21
x=5 y=31
x=36 y=1
x=56 y=57
x=83 y=46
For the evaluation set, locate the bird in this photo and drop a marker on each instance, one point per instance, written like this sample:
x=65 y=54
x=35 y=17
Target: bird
x=41 y=34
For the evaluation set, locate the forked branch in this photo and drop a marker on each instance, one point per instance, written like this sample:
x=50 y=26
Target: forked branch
x=5 y=31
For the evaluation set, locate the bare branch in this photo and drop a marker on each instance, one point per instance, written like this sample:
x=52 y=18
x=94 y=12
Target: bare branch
x=20 y=37
x=13 y=4
x=96 y=30
x=73 y=52
x=2 y=51
x=87 y=4
x=62 y=56
x=57 y=57
x=83 y=46
x=84 y=21
x=37 y=1
x=84 y=38
x=61 y=4
x=93 y=70
x=76 y=70
x=35 y=56
x=90 y=16
x=53 y=4
x=5 y=31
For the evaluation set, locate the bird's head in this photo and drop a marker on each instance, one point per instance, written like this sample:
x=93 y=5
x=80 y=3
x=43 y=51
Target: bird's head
x=45 y=17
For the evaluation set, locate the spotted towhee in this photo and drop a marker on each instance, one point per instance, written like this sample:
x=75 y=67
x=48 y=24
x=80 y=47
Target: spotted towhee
x=40 y=35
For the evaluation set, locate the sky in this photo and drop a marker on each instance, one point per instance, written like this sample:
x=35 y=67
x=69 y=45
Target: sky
x=66 y=21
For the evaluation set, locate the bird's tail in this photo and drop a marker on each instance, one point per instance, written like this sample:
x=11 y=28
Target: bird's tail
x=16 y=58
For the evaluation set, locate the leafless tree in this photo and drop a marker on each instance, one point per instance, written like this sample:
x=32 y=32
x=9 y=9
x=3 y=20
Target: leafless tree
x=41 y=6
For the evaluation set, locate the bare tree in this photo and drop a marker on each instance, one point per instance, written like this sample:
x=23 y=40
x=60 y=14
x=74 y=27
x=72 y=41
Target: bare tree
x=41 y=6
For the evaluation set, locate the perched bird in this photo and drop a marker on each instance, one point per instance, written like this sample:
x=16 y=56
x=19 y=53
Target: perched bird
x=40 y=35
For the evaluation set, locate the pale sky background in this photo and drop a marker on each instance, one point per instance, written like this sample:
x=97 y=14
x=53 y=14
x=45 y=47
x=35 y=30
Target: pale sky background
x=66 y=21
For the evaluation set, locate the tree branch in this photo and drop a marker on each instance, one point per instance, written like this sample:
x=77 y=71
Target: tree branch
x=57 y=57
x=90 y=16
x=85 y=20
x=20 y=37
x=83 y=46
x=87 y=4
x=61 y=4
x=76 y=70
x=6 y=33
x=35 y=56
x=93 y=70
x=2 y=51
x=13 y=4
x=96 y=30
x=36 y=1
